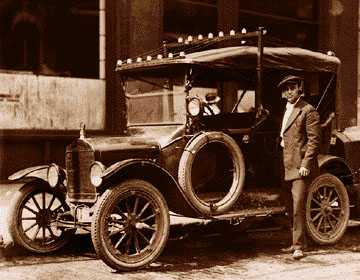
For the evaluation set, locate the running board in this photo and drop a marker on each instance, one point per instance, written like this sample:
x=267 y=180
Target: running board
x=240 y=215
x=234 y=217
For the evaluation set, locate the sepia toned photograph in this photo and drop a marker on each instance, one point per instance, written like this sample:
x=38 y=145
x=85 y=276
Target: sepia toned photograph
x=179 y=139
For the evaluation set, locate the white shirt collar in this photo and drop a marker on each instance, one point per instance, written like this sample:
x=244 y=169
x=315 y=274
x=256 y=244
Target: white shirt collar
x=289 y=105
x=292 y=105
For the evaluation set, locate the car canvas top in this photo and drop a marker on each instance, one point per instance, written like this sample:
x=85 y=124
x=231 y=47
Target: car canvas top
x=242 y=57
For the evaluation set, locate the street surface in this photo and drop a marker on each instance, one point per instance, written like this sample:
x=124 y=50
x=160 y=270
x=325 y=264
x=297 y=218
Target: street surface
x=199 y=252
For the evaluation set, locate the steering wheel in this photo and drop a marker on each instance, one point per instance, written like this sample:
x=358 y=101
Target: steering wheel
x=209 y=111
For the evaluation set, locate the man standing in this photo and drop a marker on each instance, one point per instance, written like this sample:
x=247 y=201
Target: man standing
x=300 y=140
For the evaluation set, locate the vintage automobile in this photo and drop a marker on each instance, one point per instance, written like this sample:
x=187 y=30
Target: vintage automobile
x=180 y=156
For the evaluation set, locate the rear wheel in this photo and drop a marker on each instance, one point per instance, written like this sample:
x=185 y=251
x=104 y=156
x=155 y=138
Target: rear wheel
x=131 y=225
x=327 y=209
x=33 y=214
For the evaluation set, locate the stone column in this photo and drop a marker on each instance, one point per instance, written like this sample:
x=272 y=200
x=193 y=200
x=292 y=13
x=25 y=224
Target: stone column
x=228 y=19
x=102 y=39
x=339 y=32
x=132 y=28
x=228 y=15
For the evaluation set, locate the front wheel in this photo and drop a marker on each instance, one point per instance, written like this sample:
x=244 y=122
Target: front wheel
x=327 y=209
x=131 y=225
x=33 y=213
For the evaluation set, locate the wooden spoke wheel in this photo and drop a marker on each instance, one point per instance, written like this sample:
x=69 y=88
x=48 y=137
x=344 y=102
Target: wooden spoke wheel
x=131 y=225
x=32 y=218
x=327 y=209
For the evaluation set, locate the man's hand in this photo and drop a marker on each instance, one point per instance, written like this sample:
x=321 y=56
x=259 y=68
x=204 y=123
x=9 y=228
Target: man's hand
x=303 y=171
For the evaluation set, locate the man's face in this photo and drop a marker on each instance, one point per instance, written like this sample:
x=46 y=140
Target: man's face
x=291 y=91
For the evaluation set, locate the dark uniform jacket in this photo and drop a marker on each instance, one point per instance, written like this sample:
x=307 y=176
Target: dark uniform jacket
x=301 y=141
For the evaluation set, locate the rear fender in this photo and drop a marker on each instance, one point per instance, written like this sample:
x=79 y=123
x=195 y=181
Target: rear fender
x=156 y=175
x=336 y=166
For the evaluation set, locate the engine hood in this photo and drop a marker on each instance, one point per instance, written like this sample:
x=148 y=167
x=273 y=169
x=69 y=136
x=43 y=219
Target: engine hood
x=104 y=144
x=139 y=143
x=112 y=149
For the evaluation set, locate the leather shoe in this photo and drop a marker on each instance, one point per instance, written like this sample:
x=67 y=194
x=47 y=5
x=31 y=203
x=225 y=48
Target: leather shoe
x=298 y=254
x=290 y=249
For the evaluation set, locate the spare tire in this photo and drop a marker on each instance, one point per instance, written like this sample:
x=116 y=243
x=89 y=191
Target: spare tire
x=212 y=163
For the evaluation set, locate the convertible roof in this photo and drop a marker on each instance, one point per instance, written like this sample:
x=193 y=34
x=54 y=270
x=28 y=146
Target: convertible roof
x=242 y=58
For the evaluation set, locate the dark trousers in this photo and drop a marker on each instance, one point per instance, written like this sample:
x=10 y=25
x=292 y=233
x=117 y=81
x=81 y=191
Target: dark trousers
x=293 y=196
x=298 y=191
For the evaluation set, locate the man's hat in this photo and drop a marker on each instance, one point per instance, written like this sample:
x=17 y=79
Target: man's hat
x=290 y=78
x=212 y=98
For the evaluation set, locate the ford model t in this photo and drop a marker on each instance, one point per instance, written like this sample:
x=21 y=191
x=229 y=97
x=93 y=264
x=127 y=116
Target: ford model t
x=202 y=141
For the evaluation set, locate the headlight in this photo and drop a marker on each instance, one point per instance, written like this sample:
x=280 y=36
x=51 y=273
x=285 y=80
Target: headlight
x=194 y=106
x=96 y=171
x=53 y=175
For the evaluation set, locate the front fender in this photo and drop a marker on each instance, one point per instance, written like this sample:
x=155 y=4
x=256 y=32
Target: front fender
x=117 y=166
x=156 y=175
x=39 y=172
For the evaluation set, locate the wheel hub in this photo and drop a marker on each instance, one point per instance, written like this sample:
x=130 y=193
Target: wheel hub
x=43 y=217
x=326 y=208
x=132 y=221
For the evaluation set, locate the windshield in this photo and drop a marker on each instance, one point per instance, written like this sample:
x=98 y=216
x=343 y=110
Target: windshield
x=155 y=101
x=160 y=101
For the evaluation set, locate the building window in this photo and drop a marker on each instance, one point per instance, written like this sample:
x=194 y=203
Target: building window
x=291 y=22
x=189 y=17
x=50 y=37
x=25 y=46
